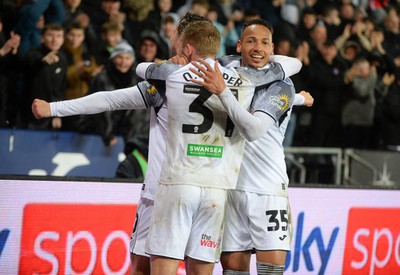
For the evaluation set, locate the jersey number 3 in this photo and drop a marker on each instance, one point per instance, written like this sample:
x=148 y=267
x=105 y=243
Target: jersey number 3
x=197 y=106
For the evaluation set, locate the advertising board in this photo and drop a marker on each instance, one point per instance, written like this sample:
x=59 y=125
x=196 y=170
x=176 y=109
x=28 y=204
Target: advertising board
x=71 y=227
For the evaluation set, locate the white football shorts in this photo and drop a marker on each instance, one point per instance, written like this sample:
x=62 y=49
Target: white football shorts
x=256 y=221
x=188 y=221
x=141 y=227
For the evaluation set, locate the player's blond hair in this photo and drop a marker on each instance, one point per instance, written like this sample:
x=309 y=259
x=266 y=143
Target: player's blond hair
x=203 y=36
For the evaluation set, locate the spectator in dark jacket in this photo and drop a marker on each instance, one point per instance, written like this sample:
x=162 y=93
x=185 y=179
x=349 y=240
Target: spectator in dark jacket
x=45 y=69
x=8 y=50
x=391 y=116
x=326 y=72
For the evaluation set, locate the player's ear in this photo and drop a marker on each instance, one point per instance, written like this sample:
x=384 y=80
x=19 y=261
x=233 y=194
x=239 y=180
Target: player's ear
x=187 y=50
x=239 y=47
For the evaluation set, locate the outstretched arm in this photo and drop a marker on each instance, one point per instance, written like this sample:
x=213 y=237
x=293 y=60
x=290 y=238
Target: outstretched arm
x=122 y=99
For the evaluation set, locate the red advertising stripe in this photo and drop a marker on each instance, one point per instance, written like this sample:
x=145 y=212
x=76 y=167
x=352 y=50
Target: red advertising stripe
x=372 y=241
x=76 y=238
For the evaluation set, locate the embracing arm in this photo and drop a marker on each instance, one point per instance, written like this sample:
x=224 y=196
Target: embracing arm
x=252 y=126
x=290 y=65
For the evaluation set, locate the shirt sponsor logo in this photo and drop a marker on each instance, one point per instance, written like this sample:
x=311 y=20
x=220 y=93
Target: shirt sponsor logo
x=281 y=102
x=200 y=150
x=372 y=241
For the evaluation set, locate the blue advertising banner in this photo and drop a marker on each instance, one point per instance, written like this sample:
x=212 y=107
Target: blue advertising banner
x=56 y=153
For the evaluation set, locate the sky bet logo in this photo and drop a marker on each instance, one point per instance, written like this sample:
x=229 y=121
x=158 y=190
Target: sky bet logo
x=304 y=246
x=3 y=239
x=372 y=242
x=76 y=239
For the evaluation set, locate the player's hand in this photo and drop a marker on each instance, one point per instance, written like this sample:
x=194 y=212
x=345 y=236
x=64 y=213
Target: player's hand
x=308 y=99
x=213 y=80
x=41 y=109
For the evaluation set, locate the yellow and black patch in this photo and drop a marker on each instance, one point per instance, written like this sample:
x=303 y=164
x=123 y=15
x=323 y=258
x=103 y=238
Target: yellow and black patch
x=284 y=101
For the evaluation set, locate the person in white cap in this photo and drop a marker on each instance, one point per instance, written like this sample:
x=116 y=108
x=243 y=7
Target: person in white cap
x=118 y=74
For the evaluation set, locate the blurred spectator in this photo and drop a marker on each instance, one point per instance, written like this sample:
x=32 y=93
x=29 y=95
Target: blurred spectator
x=118 y=74
x=9 y=10
x=354 y=33
x=381 y=91
x=32 y=17
x=177 y=4
x=391 y=116
x=350 y=51
x=229 y=36
x=369 y=26
x=346 y=14
x=290 y=12
x=8 y=50
x=385 y=69
x=330 y=17
x=199 y=7
x=244 y=16
x=325 y=76
x=302 y=132
x=149 y=48
x=168 y=29
x=156 y=16
x=377 y=9
x=392 y=34
x=269 y=10
x=111 y=11
x=134 y=166
x=318 y=37
x=82 y=67
x=225 y=10
x=111 y=36
x=286 y=27
x=137 y=11
x=359 y=104
x=45 y=70
x=307 y=22
x=377 y=53
x=74 y=13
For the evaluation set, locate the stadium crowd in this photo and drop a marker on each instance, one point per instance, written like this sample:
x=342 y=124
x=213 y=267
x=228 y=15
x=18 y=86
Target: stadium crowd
x=65 y=49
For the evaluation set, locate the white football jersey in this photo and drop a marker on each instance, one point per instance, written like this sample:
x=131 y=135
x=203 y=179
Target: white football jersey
x=204 y=148
x=263 y=169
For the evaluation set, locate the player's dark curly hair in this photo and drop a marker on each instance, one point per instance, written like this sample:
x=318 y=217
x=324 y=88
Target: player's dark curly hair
x=257 y=22
x=189 y=17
